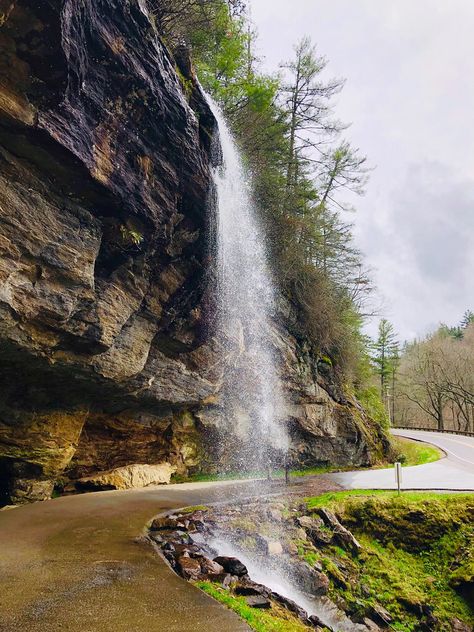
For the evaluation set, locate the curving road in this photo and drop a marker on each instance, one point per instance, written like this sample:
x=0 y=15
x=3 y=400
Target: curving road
x=80 y=563
x=75 y=564
x=453 y=472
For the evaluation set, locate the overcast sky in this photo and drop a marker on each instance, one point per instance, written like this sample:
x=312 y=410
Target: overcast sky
x=409 y=66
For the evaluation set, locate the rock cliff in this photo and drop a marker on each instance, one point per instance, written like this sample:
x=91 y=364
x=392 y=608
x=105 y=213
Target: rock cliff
x=106 y=352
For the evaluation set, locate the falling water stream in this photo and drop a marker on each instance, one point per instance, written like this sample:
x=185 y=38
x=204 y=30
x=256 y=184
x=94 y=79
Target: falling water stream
x=252 y=396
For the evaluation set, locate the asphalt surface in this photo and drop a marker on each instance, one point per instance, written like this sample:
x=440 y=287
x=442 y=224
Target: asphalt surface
x=453 y=472
x=77 y=564
x=81 y=563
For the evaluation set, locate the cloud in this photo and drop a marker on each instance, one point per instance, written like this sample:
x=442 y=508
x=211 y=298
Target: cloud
x=423 y=249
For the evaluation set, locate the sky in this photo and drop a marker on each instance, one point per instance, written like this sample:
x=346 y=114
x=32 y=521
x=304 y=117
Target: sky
x=409 y=96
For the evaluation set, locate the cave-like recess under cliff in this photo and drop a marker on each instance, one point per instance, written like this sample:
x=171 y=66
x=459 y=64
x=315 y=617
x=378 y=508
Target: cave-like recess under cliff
x=106 y=350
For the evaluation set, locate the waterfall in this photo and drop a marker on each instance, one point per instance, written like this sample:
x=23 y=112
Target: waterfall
x=252 y=396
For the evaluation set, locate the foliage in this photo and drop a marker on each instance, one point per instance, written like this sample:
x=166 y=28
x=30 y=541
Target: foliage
x=302 y=170
x=369 y=397
x=417 y=552
x=385 y=357
x=274 y=620
x=414 y=452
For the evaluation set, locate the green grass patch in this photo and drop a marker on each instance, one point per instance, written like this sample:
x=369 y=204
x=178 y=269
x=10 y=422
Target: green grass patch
x=411 y=452
x=231 y=476
x=208 y=477
x=193 y=508
x=274 y=620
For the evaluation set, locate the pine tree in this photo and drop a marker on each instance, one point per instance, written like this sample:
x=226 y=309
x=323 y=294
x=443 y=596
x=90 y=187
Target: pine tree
x=385 y=353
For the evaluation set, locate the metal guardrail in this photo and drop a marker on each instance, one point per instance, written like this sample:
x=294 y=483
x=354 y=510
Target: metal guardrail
x=458 y=432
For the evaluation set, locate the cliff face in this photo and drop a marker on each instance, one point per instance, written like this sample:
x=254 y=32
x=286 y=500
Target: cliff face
x=105 y=353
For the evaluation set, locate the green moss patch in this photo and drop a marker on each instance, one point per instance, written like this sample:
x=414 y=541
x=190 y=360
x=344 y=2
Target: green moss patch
x=417 y=555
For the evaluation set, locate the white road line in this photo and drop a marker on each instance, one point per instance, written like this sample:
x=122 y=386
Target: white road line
x=460 y=458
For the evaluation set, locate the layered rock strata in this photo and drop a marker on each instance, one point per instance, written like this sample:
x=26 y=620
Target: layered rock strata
x=106 y=353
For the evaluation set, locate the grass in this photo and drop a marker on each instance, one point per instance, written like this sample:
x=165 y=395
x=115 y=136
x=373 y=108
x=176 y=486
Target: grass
x=206 y=477
x=276 y=619
x=333 y=500
x=408 y=452
x=417 y=549
x=275 y=474
x=193 y=508
x=411 y=452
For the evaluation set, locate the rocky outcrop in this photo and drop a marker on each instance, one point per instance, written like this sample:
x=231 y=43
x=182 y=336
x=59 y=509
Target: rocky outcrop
x=128 y=477
x=106 y=358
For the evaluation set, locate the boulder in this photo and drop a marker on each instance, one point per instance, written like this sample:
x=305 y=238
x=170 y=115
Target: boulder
x=291 y=605
x=258 y=601
x=316 y=622
x=274 y=547
x=226 y=580
x=274 y=514
x=190 y=549
x=232 y=565
x=210 y=566
x=381 y=615
x=371 y=625
x=315 y=529
x=128 y=477
x=312 y=581
x=343 y=536
x=459 y=626
x=163 y=523
x=290 y=548
x=189 y=567
x=247 y=587
x=306 y=522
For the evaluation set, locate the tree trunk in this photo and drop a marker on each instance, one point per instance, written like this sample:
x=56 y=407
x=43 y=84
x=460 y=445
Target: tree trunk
x=440 y=412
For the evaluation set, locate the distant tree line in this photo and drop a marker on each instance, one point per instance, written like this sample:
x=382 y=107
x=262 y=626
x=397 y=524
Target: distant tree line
x=430 y=382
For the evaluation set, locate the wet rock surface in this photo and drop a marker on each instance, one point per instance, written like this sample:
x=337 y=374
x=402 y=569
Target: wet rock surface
x=106 y=357
x=191 y=542
x=324 y=575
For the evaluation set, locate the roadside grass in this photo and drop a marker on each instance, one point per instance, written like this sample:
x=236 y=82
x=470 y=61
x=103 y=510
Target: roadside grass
x=410 y=452
x=205 y=477
x=193 y=508
x=275 y=474
x=276 y=619
x=417 y=551
x=337 y=500
x=407 y=452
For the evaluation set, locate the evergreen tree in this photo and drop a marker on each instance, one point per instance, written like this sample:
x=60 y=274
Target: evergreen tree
x=385 y=353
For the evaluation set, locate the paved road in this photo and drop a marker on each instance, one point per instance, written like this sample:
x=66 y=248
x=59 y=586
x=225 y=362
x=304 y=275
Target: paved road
x=455 y=471
x=80 y=564
x=74 y=564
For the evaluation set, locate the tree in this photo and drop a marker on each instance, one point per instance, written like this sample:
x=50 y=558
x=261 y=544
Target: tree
x=181 y=19
x=317 y=174
x=385 y=353
x=467 y=319
x=287 y=132
x=437 y=376
x=307 y=100
x=422 y=379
